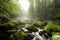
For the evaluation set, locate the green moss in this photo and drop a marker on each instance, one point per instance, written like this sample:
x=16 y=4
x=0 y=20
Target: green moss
x=37 y=23
x=11 y=31
x=32 y=28
x=56 y=37
x=19 y=35
x=52 y=27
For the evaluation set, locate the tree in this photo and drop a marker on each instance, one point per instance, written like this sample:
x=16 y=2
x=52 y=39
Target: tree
x=8 y=11
x=31 y=9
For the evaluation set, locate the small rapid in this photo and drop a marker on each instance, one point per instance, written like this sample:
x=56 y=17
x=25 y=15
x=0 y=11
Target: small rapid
x=37 y=36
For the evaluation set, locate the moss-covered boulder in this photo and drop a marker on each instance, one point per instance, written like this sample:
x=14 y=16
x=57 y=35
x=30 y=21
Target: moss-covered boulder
x=32 y=28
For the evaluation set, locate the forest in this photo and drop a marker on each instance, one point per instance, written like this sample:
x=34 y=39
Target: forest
x=29 y=19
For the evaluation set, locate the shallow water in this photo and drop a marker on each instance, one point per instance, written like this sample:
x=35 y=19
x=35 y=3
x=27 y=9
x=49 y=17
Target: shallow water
x=37 y=36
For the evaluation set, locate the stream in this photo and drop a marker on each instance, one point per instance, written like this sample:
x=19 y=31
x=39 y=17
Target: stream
x=36 y=34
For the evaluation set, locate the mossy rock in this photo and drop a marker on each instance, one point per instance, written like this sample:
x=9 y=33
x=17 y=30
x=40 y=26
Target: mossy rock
x=32 y=28
x=56 y=37
x=19 y=35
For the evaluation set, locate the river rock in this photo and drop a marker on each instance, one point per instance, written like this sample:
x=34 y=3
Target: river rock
x=37 y=39
x=29 y=36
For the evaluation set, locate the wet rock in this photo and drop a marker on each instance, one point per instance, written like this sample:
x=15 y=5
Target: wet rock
x=37 y=39
x=32 y=29
x=46 y=34
x=40 y=33
x=29 y=36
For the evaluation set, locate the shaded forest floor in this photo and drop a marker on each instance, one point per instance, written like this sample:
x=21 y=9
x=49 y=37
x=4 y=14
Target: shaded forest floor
x=21 y=30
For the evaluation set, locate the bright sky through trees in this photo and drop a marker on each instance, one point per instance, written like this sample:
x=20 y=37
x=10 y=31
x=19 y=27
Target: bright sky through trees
x=24 y=4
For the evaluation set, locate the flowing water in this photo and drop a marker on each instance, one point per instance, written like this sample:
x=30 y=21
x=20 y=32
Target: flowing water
x=37 y=36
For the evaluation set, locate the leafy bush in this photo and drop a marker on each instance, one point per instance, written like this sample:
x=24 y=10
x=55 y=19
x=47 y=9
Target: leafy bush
x=52 y=27
x=19 y=35
x=40 y=24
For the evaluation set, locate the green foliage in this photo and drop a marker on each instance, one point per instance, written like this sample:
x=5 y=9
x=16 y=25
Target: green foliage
x=37 y=23
x=52 y=27
x=11 y=31
x=19 y=35
x=32 y=28
x=56 y=37
x=40 y=24
x=8 y=11
x=45 y=10
x=9 y=7
x=56 y=33
x=55 y=13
